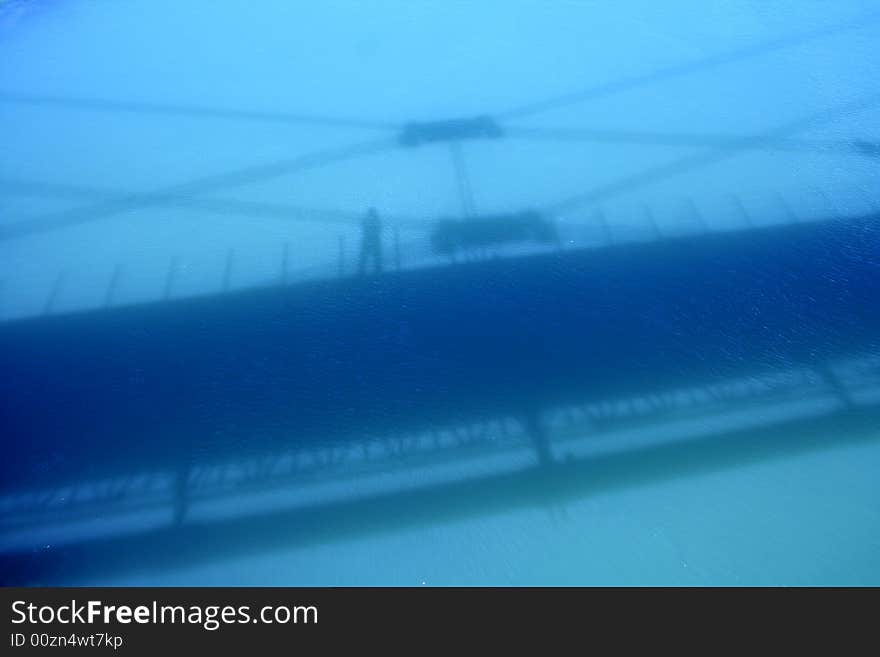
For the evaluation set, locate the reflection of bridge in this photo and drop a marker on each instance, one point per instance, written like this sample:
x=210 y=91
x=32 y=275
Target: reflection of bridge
x=305 y=395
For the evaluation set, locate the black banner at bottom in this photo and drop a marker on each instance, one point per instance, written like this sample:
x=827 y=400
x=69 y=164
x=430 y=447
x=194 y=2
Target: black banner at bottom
x=276 y=620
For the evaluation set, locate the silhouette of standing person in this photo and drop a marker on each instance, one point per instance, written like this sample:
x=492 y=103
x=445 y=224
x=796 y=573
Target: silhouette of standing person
x=371 y=242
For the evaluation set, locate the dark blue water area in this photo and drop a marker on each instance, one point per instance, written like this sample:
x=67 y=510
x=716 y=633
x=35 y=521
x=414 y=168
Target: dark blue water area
x=169 y=385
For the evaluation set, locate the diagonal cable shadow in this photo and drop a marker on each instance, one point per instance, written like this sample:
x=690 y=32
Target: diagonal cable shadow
x=221 y=206
x=712 y=156
x=174 y=193
x=642 y=138
x=194 y=111
x=634 y=81
x=265 y=116
x=179 y=194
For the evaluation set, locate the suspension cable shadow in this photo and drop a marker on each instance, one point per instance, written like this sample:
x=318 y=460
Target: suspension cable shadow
x=173 y=193
x=193 y=111
x=220 y=206
x=641 y=138
x=712 y=156
x=463 y=183
x=634 y=81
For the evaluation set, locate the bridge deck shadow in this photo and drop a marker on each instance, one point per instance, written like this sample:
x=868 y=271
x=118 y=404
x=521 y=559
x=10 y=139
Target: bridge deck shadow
x=177 y=547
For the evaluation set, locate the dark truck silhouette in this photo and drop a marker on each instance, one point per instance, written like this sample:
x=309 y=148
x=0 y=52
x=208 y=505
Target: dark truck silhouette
x=869 y=148
x=422 y=132
x=453 y=235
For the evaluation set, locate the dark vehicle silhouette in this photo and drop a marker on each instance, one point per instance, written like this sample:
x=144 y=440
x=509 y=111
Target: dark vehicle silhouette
x=870 y=148
x=453 y=235
x=423 y=132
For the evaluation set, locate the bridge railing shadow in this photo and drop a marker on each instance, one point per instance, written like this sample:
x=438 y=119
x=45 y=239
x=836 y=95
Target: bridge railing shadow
x=293 y=498
x=406 y=246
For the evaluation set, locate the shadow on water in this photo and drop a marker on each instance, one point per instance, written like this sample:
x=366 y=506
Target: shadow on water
x=321 y=365
x=180 y=546
x=628 y=83
x=324 y=361
x=192 y=111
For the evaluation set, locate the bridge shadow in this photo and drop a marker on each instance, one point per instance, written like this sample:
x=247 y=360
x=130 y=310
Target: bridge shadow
x=188 y=544
x=96 y=395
